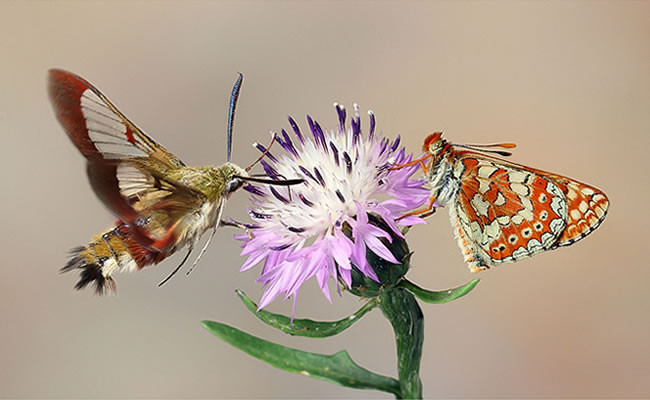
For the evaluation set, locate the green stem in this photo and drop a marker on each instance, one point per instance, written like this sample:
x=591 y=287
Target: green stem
x=405 y=315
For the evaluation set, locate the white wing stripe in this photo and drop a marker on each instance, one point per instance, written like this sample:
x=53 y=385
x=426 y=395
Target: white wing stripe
x=118 y=150
x=107 y=130
x=85 y=108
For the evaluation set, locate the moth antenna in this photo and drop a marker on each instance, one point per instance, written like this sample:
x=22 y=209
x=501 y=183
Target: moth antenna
x=231 y=114
x=177 y=268
x=268 y=148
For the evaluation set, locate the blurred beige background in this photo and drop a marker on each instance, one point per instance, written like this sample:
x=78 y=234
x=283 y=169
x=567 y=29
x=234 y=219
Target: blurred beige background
x=568 y=81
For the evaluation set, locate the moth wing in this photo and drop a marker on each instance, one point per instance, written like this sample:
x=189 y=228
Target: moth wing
x=98 y=129
x=155 y=208
x=127 y=169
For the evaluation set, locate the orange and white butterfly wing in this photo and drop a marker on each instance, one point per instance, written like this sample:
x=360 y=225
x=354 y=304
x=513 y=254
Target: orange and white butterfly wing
x=506 y=212
x=587 y=207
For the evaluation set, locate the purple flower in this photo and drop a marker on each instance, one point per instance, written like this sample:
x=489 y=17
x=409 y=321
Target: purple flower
x=320 y=228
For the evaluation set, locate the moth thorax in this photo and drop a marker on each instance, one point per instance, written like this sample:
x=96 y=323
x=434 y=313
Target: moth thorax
x=228 y=170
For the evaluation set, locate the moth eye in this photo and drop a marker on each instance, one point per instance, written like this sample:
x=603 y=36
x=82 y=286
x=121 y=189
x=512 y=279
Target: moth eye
x=233 y=185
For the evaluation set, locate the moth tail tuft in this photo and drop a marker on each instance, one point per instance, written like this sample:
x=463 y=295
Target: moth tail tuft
x=90 y=272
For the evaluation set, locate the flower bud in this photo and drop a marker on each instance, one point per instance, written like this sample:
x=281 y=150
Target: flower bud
x=388 y=273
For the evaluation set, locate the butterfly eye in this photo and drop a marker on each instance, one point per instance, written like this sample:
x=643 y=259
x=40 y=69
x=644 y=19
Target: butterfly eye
x=433 y=138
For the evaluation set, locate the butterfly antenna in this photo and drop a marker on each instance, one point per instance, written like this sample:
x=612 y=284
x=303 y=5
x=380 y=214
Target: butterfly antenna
x=503 y=145
x=231 y=114
x=177 y=268
x=483 y=148
x=274 y=136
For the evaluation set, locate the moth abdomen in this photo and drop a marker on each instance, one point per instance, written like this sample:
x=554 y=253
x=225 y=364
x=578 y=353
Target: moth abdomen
x=107 y=253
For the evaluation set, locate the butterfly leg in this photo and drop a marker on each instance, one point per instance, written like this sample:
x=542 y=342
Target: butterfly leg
x=425 y=169
x=414 y=162
x=425 y=212
x=428 y=213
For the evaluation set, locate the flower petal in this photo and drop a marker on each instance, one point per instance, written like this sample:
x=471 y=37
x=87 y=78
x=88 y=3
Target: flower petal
x=380 y=249
x=298 y=231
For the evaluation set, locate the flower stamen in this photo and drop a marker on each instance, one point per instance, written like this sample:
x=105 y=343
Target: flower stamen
x=328 y=230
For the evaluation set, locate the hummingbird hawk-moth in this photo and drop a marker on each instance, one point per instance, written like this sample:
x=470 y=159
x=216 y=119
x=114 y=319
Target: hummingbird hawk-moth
x=161 y=204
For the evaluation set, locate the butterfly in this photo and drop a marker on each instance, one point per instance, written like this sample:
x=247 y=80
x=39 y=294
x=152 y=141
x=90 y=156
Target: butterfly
x=502 y=211
x=161 y=204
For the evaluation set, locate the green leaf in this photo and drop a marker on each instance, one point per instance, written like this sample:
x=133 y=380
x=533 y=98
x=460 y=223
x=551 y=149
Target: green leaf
x=337 y=368
x=305 y=327
x=438 y=297
x=404 y=313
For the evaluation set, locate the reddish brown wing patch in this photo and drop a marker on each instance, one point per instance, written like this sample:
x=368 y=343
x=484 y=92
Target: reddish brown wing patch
x=96 y=126
x=65 y=92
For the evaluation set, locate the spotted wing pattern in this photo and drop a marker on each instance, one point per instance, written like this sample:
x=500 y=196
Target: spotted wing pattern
x=506 y=212
x=587 y=207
